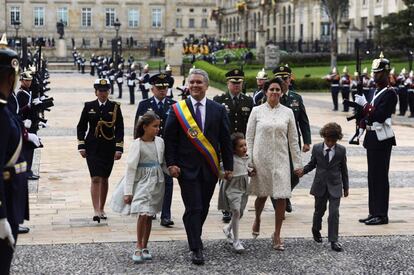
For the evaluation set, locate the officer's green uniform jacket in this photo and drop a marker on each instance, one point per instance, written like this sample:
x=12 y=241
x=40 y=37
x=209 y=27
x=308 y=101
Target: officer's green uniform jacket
x=238 y=115
x=294 y=101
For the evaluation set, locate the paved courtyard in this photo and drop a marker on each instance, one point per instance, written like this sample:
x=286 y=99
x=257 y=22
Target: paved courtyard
x=63 y=238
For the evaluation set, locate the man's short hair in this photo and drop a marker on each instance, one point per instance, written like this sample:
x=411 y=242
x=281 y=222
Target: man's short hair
x=200 y=72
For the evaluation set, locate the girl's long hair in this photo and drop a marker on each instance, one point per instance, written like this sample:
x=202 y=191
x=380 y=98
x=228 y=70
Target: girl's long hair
x=144 y=120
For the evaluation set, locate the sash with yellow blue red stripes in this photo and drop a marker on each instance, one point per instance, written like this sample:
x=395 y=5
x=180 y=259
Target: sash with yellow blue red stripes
x=196 y=136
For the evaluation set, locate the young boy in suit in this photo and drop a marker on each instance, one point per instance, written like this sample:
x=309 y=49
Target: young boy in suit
x=331 y=177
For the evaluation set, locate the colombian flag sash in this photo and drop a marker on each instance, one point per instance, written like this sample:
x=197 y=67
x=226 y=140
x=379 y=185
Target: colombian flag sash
x=196 y=136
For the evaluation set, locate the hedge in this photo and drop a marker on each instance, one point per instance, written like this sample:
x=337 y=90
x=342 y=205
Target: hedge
x=217 y=74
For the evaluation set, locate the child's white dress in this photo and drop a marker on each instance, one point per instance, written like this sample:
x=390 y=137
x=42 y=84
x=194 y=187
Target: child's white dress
x=144 y=179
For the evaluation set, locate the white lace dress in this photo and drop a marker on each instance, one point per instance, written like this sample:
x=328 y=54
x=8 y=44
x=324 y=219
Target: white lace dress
x=271 y=133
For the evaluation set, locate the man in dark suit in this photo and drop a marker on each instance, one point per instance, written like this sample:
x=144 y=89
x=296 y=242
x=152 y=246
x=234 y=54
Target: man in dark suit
x=379 y=112
x=196 y=174
x=160 y=104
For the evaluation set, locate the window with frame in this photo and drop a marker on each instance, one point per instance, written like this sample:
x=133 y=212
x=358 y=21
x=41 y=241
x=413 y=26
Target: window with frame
x=39 y=16
x=133 y=18
x=86 y=17
x=204 y=23
x=178 y=23
x=191 y=23
x=109 y=17
x=14 y=15
x=156 y=18
x=62 y=14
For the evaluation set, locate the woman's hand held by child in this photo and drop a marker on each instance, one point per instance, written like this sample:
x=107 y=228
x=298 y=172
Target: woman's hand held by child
x=128 y=199
x=174 y=171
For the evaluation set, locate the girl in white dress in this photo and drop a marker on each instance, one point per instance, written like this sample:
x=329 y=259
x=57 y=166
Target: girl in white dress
x=234 y=192
x=141 y=192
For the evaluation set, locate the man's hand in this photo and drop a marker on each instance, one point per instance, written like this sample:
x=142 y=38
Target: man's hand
x=128 y=199
x=83 y=153
x=251 y=172
x=6 y=232
x=346 y=193
x=117 y=155
x=305 y=148
x=360 y=100
x=174 y=171
x=228 y=175
x=298 y=172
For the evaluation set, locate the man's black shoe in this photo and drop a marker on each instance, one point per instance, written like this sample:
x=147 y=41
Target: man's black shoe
x=316 y=236
x=377 y=221
x=197 y=257
x=364 y=220
x=33 y=177
x=336 y=246
x=23 y=229
x=226 y=217
x=288 y=206
x=166 y=222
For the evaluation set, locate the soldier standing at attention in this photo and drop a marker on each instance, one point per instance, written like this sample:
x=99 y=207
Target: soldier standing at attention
x=333 y=78
x=13 y=205
x=294 y=101
x=131 y=77
x=102 y=143
x=238 y=106
x=258 y=94
x=402 y=92
x=143 y=82
x=160 y=104
x=120 y=79
x=345 y=84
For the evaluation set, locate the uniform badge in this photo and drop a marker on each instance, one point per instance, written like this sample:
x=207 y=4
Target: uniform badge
x=295 y=103
x=226 y=107
x=376 y=63
x=91 y=111
x=110 y=113
x=245 y=109
x=192 y=132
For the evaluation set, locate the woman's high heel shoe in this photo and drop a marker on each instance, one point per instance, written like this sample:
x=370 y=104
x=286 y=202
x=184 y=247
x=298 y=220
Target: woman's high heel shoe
x=255 y=234
x=277 y=246
x=96 y=219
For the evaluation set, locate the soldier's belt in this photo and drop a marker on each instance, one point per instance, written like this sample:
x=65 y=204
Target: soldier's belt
x=18 y=168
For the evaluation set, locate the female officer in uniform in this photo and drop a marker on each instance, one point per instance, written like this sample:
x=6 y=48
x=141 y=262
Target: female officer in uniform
x=102 y=143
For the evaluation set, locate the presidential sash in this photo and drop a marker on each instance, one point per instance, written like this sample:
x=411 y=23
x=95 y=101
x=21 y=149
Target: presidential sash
x=196 y=136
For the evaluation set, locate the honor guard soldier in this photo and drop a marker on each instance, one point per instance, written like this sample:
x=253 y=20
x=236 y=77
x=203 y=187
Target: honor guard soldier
x=160 y=104
x=345 y=84
x=93 y=63
x=111 y=75
x=333 y=78
x=409 y=82
x=354 y=85
x=13 y=194
x=378 y=141
x=258 y=94
x=143 y=82
x=131 y=77
x=102 y=143
x=168 y=71
x=238 y=106
x=402 y=92
x=120 y=79
x=295 y=102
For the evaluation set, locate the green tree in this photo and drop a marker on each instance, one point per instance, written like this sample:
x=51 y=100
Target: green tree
x=335 y=9
x=398 y=30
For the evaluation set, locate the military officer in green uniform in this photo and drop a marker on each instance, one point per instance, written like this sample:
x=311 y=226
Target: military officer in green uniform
x=295 y=102
x=238 y=106
x=102 y=143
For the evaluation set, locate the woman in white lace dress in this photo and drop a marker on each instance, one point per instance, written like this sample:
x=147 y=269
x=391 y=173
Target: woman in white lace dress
x=271 y=134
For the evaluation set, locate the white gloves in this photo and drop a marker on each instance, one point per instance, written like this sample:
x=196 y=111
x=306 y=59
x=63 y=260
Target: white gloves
x=360 y=100
x=36 y=101
x=6 y=232
x=42 y=124
x=33 y=139
x=27 y=123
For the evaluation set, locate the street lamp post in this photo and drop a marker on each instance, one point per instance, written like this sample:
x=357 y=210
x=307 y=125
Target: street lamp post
x=16 y=25
x=410 y=52
x=117 y=26
x=370 y=27
x=117 y=43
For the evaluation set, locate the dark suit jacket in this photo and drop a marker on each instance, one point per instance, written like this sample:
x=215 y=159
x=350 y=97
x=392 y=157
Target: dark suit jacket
x=181 y=152
x=332 y=176
x=384 y=106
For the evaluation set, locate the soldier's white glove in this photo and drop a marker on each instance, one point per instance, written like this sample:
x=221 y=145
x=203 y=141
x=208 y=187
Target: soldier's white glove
x=42 y=124
x=36 y=101
x=27 y=123
x=6 y=232
x=33 y=139
x=360 y=100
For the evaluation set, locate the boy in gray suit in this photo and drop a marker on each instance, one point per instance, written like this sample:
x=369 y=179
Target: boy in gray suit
x=329 y=159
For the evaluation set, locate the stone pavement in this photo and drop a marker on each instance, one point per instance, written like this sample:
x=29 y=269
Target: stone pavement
x=61 y=211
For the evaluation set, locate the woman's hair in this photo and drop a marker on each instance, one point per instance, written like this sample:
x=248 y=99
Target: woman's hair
x=235 y=137
x=331 y=130
x=145 y=120
x=277 y=80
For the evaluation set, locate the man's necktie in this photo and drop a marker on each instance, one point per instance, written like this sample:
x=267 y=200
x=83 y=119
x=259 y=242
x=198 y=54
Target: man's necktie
x=236 y=101
x=198 y=116
x=160 y=106
x=283 y=99
x=327 y=155
x=101 y=107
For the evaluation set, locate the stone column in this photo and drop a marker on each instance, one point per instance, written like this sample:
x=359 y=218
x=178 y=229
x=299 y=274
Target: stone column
x=61 y=50
x=173 y=51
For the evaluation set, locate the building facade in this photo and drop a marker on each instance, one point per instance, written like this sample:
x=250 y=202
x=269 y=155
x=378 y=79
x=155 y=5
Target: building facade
x=88 y=20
